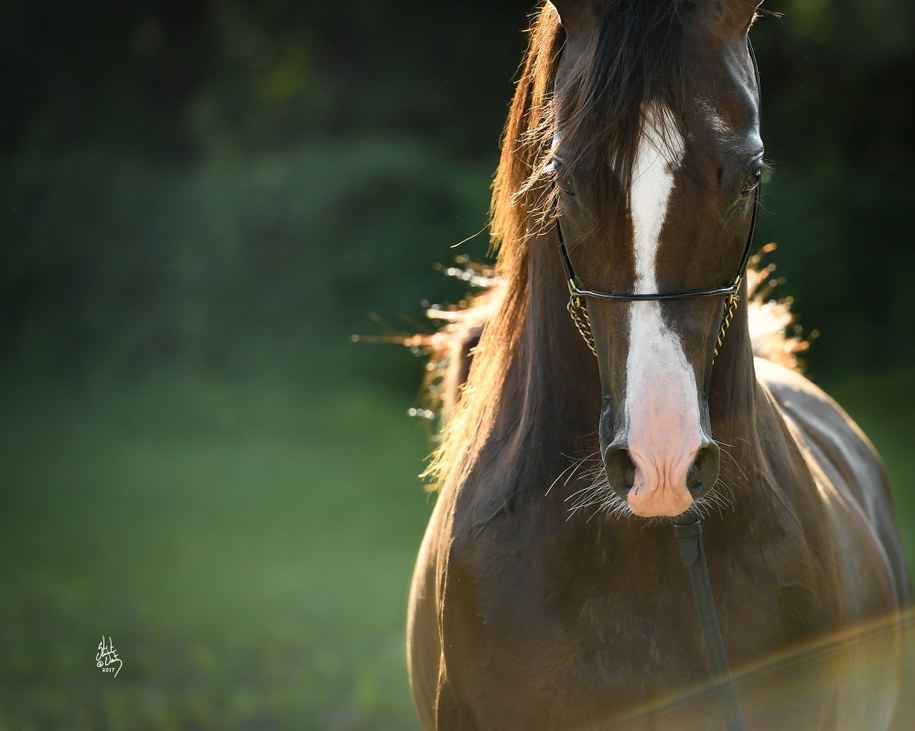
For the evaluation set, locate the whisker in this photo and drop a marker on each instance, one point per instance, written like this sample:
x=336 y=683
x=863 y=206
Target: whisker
x=725 y=450
x=568 y=472
x=596 y=497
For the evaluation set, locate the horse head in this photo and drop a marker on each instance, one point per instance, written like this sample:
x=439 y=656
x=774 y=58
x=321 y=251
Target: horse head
x=657 y=157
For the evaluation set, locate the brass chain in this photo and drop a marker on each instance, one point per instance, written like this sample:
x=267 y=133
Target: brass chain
x=579 y=313
x=730 y=307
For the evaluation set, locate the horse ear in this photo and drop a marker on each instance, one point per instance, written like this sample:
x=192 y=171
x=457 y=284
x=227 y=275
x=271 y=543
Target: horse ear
x=736 y=16
x=577 y=16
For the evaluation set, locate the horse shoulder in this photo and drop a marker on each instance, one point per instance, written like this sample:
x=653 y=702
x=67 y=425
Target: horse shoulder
x=437 y=703
x=853 y=485
x=510 y=638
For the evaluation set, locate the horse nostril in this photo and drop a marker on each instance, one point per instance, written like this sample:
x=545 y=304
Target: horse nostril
x=620 y=469
x=703 y=473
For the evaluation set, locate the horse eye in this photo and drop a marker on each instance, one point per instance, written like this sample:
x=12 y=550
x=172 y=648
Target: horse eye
x=554 y=169
x=566 y=189
x=752 y=182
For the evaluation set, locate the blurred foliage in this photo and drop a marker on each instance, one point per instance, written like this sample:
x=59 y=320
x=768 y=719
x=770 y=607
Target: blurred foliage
x=837 y=126
x=196 y=182
x=129 y=265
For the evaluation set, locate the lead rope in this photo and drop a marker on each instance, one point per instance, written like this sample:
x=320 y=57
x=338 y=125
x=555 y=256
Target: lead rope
x=689 y=536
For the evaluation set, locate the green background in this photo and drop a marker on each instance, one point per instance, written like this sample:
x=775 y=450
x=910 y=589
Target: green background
x=199 y=204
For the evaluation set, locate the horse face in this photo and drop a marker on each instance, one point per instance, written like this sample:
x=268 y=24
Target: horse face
x=690 y=201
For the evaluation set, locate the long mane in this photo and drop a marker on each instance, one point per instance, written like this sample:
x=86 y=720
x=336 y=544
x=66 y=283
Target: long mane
x=634 y=58
x=517 y=193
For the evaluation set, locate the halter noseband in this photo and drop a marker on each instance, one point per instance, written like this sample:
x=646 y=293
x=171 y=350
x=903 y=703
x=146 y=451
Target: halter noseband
x=578 y=309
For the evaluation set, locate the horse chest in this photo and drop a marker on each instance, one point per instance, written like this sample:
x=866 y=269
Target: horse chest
x=613 y=630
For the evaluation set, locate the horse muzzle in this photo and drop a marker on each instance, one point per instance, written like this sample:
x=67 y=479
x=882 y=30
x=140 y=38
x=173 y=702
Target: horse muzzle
x=661 y=471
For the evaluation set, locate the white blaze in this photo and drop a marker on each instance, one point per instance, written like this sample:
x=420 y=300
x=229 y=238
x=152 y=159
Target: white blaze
x=662 y=400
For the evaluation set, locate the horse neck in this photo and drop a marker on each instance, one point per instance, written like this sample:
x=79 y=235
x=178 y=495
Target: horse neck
x=552 y=394
x=734 y=401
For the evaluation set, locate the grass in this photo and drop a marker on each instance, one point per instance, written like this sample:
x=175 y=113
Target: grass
x=246 y=544
x=247 y=547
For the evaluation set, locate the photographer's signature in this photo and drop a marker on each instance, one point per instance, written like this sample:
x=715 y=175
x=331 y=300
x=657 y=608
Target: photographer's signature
x=107 y=656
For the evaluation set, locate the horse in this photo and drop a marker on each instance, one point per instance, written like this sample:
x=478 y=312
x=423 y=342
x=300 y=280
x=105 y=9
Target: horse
x=609 y=392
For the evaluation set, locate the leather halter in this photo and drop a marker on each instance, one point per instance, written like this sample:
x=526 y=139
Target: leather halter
x=578 y=294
